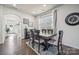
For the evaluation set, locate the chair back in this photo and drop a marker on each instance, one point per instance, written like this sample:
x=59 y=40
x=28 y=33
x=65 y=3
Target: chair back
x=38 y=38
x=43 y=31
x=32 y=36
x=50 y=31
x=60 y=49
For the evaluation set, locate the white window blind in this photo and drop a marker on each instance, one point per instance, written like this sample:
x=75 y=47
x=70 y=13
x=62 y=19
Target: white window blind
x=46 y=21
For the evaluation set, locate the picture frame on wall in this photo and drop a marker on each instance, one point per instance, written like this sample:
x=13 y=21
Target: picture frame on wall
x=30 y=24
x=25 y=21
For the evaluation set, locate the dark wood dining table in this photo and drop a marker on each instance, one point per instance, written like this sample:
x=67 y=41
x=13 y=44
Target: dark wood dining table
x=46 y=38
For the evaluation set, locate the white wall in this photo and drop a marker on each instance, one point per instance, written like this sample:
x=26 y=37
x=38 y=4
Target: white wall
x=36 y=22
x=6 y=10
x=1 y=22
x=71 y=33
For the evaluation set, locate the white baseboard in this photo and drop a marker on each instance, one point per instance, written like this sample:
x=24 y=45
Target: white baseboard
x=72 y=46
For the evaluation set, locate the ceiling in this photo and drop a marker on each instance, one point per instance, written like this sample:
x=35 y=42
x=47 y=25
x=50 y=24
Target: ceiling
x=33 y=9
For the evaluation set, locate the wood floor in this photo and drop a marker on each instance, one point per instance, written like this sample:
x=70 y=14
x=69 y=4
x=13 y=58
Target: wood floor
x=13 y=46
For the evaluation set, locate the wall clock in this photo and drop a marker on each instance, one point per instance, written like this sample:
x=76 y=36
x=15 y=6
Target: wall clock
x=72 y=19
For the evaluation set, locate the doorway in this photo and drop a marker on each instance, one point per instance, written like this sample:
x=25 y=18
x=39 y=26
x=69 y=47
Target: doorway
x=12 y=26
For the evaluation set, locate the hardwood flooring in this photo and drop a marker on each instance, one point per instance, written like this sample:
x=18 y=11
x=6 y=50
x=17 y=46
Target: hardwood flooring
x=13 y=46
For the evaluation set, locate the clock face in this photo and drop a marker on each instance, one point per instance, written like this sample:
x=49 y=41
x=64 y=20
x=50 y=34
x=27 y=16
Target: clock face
x=72 y=19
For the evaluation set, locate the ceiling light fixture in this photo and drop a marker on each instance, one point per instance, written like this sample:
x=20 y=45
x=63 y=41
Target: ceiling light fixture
x=44 y=5
x=14 y=5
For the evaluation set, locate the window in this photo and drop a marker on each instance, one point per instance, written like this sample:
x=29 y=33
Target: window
x=46 y=21
x=49 y=21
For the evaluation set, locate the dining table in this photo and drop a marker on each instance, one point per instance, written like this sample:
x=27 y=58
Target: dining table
x=46 y=38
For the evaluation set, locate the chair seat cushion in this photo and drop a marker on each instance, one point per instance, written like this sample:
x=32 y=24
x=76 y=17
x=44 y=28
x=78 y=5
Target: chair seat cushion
x=51 y=41
x=37 y=41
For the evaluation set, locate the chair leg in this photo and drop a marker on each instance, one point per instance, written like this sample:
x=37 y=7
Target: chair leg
x=38 y=45
x=33 y=43
x=39 y=48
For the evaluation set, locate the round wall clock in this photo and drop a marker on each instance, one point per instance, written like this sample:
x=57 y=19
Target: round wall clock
x=72 y=19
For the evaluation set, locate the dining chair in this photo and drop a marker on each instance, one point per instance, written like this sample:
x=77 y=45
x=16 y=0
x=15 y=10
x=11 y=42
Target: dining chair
x=32 y=37
x=43 y=31
x=48 y=41
x=51 y=39
x=50 y=31
x=38 y=40
x=25 y=34
x=59 y=44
